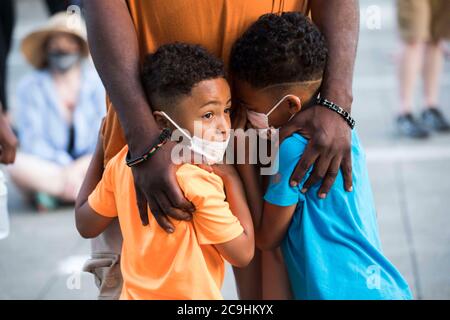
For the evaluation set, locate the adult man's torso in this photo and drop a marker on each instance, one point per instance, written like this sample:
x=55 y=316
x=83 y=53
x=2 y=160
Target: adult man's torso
x=214 y=24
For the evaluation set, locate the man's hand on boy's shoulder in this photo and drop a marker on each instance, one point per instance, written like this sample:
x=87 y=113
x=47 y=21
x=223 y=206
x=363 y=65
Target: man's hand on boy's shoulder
x=329 y=148
x=160 y=191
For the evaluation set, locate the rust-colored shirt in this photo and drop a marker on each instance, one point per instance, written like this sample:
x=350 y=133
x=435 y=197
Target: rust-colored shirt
x=214 y=24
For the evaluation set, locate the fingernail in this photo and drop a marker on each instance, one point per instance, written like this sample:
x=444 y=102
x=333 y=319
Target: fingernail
x=322 y=195
x=350 y=189
x=293 y=183
x=170 y=230
x=304 y=190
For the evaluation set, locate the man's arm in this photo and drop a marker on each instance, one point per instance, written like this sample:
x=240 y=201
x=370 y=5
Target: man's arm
x=89 y=223
x=330 y=136
x=115 y=51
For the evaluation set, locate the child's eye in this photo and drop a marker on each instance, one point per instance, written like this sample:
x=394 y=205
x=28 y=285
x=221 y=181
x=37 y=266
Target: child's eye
x=227 y=110
x=208 y=115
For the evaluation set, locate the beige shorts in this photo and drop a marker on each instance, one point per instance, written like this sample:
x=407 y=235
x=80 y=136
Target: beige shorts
x=424 y=20
x=105 y=262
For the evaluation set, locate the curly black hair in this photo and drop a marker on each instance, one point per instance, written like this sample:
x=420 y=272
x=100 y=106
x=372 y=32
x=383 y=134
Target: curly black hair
x=279 y=49
x=174 y=69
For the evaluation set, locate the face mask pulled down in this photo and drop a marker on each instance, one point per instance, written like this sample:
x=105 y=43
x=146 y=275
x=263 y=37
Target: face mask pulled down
x=261 y=120
x=211 y=151
x=62 y=62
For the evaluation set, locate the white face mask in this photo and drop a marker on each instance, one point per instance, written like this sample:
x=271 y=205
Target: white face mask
x=261 y=120
x=212 y=151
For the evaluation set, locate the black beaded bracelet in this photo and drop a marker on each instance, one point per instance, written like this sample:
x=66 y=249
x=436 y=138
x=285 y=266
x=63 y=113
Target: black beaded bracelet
x=162 y=139
x=339 y=110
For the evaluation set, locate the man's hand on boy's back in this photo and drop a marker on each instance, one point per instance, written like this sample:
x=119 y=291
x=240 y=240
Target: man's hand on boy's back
x=156 y=184
x=329 y=135
x=329 y=148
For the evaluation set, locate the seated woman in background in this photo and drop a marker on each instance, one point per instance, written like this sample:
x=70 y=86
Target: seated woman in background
x=58 y=114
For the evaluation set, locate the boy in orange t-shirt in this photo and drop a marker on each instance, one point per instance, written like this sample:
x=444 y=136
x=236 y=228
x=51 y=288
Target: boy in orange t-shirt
x=186 y=85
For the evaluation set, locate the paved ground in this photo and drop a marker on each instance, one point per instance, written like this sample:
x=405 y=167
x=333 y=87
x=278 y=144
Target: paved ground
x=410 y=179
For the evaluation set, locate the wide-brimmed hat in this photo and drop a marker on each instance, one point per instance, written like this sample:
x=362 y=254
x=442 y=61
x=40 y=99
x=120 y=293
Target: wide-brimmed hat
x=69 y=23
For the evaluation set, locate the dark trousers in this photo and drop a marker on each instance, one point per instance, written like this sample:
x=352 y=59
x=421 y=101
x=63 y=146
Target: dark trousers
x=55 y=6
x=7 y=19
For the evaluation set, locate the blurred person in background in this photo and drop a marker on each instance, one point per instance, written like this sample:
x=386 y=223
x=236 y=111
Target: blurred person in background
x=58 y=114
x=424 y=24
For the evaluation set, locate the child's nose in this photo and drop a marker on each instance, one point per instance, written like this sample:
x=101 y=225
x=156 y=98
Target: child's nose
x=223 y=125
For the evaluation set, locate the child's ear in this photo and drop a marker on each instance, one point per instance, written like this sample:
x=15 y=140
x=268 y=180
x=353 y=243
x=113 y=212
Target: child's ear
x=295 y=104
x=161 y=120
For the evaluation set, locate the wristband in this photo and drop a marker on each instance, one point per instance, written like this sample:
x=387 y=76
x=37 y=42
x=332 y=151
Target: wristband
x=162 y=139
x=339 y=110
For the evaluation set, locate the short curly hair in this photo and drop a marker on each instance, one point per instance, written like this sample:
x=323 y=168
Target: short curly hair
x=174 y=69
x=279 y=49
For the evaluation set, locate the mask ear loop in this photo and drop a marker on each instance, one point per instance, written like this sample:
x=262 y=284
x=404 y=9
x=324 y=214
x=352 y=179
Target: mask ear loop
x=280 y=102
x=176 y=125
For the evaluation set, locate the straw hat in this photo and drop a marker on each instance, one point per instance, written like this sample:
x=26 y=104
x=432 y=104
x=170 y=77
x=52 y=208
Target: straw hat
x=33 y=43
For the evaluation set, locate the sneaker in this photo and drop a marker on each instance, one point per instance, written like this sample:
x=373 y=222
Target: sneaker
x=409 y=127
x=44 y=202
x=433 y=119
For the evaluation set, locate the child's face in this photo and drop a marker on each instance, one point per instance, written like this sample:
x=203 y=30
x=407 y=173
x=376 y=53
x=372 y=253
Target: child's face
x=205 y=112
x=263 y=100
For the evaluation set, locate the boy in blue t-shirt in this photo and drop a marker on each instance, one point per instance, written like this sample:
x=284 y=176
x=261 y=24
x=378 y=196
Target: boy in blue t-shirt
x=330 y=244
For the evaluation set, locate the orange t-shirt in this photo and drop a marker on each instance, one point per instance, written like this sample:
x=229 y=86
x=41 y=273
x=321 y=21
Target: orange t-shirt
x=158 y=265
x=214 y=24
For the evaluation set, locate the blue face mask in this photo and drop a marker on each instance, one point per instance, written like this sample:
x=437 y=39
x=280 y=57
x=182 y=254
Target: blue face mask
x=62 y=62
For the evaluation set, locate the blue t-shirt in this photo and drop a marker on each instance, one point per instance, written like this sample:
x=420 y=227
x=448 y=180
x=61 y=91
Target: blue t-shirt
x=332 y=248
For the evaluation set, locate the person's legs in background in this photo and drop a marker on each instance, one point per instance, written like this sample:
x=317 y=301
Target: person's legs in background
x=433 y=65
x=41 y=177
x=414 y=20
x=432 y=117
x=410 y=66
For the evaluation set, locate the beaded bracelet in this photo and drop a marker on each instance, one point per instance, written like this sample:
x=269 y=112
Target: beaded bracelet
x=339 y=110
x=162 y=139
